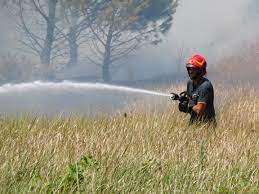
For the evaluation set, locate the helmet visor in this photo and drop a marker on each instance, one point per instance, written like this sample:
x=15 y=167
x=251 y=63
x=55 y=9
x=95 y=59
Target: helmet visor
x=190 y=65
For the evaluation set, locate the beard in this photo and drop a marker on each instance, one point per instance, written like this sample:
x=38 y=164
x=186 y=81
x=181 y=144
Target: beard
x=194 y=76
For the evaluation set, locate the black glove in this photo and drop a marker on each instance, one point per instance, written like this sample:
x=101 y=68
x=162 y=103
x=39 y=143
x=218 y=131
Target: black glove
x=183 y=97
x=186 y=106
x=183 y=107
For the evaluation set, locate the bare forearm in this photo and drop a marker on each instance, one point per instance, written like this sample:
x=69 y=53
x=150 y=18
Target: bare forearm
x=199 y=109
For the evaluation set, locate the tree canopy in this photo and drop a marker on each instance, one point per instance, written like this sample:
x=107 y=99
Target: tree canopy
x=111 y=29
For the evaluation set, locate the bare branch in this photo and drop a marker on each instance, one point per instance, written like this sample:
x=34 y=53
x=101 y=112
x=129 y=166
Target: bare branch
x=96 y=35
x=25 y=28
x=97 y=48
x=93 y=61
x=30 y=46
x=40 y=11
x=54 y=56
x=30 y=51
x=124 y=53
x=96 y=53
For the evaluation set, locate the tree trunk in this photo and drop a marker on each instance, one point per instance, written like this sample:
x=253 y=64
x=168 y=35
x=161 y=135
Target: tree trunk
x=46 y=51
x=107 y=53
x=73 y=47
x=72 y=37
x=107 y=59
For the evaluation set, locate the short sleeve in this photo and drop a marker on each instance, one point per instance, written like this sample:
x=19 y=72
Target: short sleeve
x=189 y=83
x=205 y=93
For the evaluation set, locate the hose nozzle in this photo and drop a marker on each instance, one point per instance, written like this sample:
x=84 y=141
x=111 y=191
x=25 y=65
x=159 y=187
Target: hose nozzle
x=174 y=96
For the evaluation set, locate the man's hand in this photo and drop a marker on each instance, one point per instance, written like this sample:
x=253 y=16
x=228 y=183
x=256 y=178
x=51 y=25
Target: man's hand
x=186 y=107
x=183 y=107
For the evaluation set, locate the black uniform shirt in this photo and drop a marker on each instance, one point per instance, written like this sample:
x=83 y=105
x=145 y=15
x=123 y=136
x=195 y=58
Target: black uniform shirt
x=204 y=91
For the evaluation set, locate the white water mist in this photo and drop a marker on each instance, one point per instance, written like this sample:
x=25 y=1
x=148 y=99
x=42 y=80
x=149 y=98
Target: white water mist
x=70 y=86
x=50 y=98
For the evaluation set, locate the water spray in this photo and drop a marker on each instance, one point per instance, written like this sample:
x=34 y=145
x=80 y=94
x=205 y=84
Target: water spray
x=69 y=85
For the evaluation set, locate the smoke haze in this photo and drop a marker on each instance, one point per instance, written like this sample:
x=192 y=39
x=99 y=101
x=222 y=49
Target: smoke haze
x=5 y=29
x=212 y=28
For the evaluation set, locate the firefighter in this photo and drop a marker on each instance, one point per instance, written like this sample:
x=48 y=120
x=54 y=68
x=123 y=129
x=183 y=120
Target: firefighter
x=200 y=92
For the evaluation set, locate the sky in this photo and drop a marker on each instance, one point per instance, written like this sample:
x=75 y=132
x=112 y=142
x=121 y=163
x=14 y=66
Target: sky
x=208 y=27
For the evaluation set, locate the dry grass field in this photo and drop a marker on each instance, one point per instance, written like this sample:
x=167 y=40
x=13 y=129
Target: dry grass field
x=144 y=151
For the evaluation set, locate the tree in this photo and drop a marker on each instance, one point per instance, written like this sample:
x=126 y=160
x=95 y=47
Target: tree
x=76 y=19
x=112 y=29
x=36 y=19
x=121 y=27
x=51 y=29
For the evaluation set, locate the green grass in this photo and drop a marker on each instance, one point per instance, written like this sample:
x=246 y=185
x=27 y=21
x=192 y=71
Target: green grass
x=148 y=151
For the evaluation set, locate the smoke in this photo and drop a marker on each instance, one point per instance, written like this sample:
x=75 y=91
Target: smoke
x=212 y=28
x=4 y=33
x=215 y=29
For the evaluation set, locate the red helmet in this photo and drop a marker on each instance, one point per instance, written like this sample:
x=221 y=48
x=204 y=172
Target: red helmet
x=199 y=62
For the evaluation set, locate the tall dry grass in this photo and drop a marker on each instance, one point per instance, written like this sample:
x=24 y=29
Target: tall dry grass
x=146 y=150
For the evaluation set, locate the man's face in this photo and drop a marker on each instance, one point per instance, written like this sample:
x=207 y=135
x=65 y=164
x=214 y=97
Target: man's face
x=193 y=72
